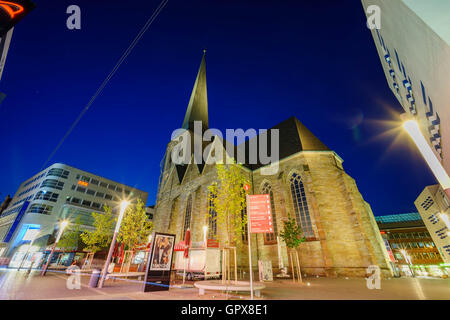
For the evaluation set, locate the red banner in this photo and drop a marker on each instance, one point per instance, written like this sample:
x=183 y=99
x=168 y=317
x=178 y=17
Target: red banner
x=259 y=213
x=212 y=243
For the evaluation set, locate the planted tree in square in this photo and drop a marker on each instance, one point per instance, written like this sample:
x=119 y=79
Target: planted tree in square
x=292 y=236
x=101 y=236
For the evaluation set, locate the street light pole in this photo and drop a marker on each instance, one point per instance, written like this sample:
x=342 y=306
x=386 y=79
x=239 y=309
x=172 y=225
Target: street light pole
x=123 y=205
x=62 y=226
x=412 y=127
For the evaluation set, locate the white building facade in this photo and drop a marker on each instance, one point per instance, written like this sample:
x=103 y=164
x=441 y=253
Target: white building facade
x=434 y=208
x=413 y=43
x=56 y=193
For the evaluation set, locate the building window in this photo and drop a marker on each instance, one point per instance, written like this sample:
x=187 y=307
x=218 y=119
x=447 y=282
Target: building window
x=90 y=192
x=94 y=182
x=187 y=216
x=100 y=194
x=81 y=189
x=212 y=217
x=57 y=172
x=271 y=238
x=86 y=203
x=301 y=206
x=52 y=183
x=41 y=209
x=108 y=196
x=102 y=184
x=46 y=195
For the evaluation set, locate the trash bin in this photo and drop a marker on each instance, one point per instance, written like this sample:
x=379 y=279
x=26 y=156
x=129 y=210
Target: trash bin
x=95 y=277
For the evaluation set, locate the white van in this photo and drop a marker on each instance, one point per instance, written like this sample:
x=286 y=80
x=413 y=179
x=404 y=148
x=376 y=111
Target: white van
x=201 y=264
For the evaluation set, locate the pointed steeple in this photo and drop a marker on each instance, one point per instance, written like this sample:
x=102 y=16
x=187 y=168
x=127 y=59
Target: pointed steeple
x=198 y=104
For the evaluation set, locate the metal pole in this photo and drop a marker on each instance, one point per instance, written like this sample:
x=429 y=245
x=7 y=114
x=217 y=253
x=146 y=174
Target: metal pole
x=44 y=270
x=105 y=268
x=250 y=253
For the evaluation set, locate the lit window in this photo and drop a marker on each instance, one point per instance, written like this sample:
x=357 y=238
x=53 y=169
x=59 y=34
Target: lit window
x=187 y=216
x=301 y=206
x=270 y=238
x=212 y=217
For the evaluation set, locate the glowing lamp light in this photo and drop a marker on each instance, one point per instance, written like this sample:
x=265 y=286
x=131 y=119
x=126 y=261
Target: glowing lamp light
x=123 y=205
x=83 y=183
x=436 y=167
x=11 y=8
x=62 y=226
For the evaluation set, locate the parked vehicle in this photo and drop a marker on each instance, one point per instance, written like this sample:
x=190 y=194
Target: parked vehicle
x=201 y=264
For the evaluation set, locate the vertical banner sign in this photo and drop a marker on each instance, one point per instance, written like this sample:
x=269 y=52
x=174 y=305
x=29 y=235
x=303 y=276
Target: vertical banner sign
x=260 y=213
x=16 y=221
x=159 y=263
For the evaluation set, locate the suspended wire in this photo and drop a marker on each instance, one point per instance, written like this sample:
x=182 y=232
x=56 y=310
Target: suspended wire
x=110 y=75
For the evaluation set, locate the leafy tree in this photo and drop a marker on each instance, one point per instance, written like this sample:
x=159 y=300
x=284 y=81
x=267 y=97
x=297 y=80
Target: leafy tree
x=227 y=196
x=101 y=236
x=135 y=227
x=71 y=236
x=292 y=233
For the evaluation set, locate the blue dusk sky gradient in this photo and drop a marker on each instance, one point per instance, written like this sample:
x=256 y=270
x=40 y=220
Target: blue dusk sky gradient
x=266 y=61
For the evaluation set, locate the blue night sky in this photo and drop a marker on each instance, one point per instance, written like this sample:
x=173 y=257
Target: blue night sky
x=266 y=61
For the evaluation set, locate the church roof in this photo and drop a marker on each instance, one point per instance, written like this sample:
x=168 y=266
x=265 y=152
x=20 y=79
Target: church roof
x=198 y=103
x=294 y=137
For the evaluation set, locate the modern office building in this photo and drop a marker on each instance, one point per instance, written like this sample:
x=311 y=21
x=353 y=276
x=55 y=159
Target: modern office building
x=413 y=43
x=407 y=237
x=434 y=207
x=56 y=193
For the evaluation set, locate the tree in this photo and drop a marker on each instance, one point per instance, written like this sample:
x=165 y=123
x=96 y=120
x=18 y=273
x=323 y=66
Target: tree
x=229 y=200
x=292 y=236
x=292 y=233
x=101 y=236
x=135 y=227
x=71 y=237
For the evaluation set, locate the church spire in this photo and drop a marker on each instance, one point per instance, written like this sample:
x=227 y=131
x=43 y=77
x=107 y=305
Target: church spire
x=197 y=109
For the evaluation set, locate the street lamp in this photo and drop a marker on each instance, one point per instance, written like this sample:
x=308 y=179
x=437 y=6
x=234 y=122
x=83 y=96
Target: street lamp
x=436 y=167
x=62 y=225
x=408 y=260
x=123 y=205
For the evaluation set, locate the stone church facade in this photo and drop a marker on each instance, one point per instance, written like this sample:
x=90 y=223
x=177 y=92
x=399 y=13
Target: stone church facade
x=311 y=185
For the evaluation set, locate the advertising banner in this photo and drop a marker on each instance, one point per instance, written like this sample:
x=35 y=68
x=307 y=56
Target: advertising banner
x=159 y=264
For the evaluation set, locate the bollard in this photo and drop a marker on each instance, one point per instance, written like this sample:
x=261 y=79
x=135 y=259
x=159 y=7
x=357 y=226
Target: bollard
x=95 y=277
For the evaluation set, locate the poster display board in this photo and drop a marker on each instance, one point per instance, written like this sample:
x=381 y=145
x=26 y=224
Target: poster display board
x=159 y=264
x=265 y=270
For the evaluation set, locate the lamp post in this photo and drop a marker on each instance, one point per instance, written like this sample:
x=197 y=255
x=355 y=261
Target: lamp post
x=408 y=260
x=412 y=127
x=123 y=205
x=63 y=224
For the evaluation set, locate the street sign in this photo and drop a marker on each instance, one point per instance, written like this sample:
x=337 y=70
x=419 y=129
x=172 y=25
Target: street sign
x=259 y=213
x=246 y=187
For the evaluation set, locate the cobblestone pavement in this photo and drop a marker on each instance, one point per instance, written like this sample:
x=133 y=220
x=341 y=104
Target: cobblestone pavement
x=20 y=285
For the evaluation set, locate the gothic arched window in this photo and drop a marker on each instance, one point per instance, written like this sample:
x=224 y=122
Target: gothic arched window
x=212 y=217
x=301 y=206
x=187 y=216
x=270 y=238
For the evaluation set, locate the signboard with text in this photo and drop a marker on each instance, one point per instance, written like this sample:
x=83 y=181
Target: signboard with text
x=259 y=213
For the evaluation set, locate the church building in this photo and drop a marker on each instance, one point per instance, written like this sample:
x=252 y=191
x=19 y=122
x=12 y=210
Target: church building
x=310 y=185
